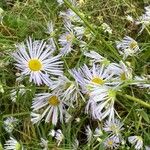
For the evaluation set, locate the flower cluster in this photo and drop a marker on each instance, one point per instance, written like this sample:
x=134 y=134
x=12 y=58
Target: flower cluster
x=93 y=86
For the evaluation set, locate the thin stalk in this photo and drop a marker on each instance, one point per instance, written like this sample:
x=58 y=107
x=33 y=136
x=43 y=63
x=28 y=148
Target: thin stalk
x=16 y=114
x=137 y=100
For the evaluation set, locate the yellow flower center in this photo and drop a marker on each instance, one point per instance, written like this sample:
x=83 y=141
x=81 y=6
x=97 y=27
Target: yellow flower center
x=35 y=64
x=97 y=80
x=53 y=101
x=133 y=45
x=114 y=128
x=123 y=76
x=69 y=37
x=110 y=142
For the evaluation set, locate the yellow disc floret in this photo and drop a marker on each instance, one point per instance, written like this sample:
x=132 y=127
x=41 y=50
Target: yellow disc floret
x=53 y=100
x=69 y=37
x=97 y=80
x=110 y=142
x=133 y=45
x=35 y=64
x=123 y=76
x=115 y=129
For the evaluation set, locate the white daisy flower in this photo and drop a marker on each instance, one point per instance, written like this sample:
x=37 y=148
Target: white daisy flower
x=12 y=144
x=144 y=19
x=69 y=89
x=120 y=71
x=58 y=135
x=137 y=141
x=114 y=127
x=35 y=60
x=101 y=103
x=89 y=133
x=97 y=58
x=51 y=32
x=67 y=38
x=15 y=93
x=106 y=28
x=141 y=82
x=127 y=47
x=10 y=123
x=35 y=118
x=44 y=144
x=111 y=143
x=49 y=106
x=89 y=78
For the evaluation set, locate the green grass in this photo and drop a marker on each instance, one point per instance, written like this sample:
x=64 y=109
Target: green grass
x=25 y=18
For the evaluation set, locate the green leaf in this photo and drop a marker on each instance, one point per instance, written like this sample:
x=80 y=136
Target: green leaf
x=144 y=115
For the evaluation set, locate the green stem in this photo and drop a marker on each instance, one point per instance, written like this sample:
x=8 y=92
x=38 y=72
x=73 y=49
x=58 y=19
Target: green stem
x=111 y=48
x=16 y=114
x=132 y=82
x=137 y=100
